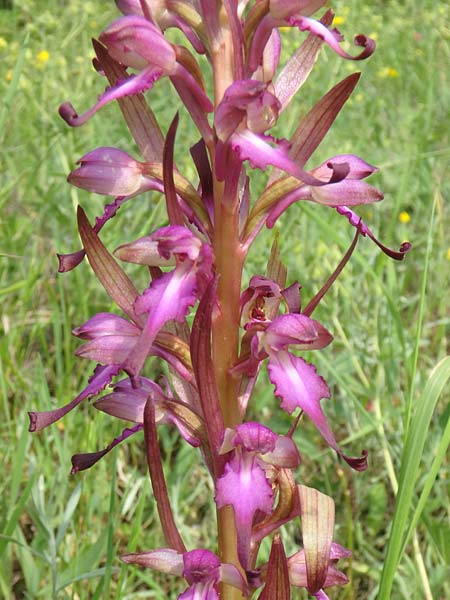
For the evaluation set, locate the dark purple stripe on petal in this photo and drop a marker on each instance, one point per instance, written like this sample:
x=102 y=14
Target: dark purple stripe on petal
x=115 y=281
x=315 y=125
x=317 y=517
x=237 y=35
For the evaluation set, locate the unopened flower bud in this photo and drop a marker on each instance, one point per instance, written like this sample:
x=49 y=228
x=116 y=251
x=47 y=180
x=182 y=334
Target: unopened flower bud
x=108 y=171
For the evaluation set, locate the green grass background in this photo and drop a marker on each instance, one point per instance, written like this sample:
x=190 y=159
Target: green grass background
x=61 y=534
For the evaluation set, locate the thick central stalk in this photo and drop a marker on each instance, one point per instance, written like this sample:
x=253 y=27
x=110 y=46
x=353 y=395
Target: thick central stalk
x=225 y=337
x=229 y=259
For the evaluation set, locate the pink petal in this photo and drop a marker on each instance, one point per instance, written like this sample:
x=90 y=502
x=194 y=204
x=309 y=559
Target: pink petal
x=111 y=172
x=103 y=324
x=109 y=349
x=244 y=486
x=253 y=437
x=135 y=42
x=256 y=149
x=332 y=37
x=127 y=402
x=200 y=591
x=102 y=376
x=132 y=85
x=298 y=385
x=81 y=462
x=200 y=565
x=295 y=329
x=359 y=168
x=138 y=115
x=165 y=560
x=363 y=229
x=351 y=192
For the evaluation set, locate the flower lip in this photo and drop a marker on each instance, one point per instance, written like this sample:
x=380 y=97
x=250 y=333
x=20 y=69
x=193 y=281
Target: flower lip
x=200 y=566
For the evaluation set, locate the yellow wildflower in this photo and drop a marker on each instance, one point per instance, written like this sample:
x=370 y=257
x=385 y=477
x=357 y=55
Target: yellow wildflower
x=404 y=217
x=3 y=43
x=42 y=58
x=392 y=72
x=448 y=254
x=338 y=20
x=387 y=72
x=9 y=75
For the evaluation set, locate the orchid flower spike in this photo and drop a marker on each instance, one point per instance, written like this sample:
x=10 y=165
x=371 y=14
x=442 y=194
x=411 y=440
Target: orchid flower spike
x=189 y=344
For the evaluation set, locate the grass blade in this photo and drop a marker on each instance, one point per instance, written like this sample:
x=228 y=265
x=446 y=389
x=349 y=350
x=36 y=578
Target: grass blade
x=412 y=457
x=13 y=86
x=429 y=481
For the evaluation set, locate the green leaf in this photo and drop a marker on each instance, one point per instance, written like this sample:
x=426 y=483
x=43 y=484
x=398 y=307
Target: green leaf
x=411 y=459
x=71 y=505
